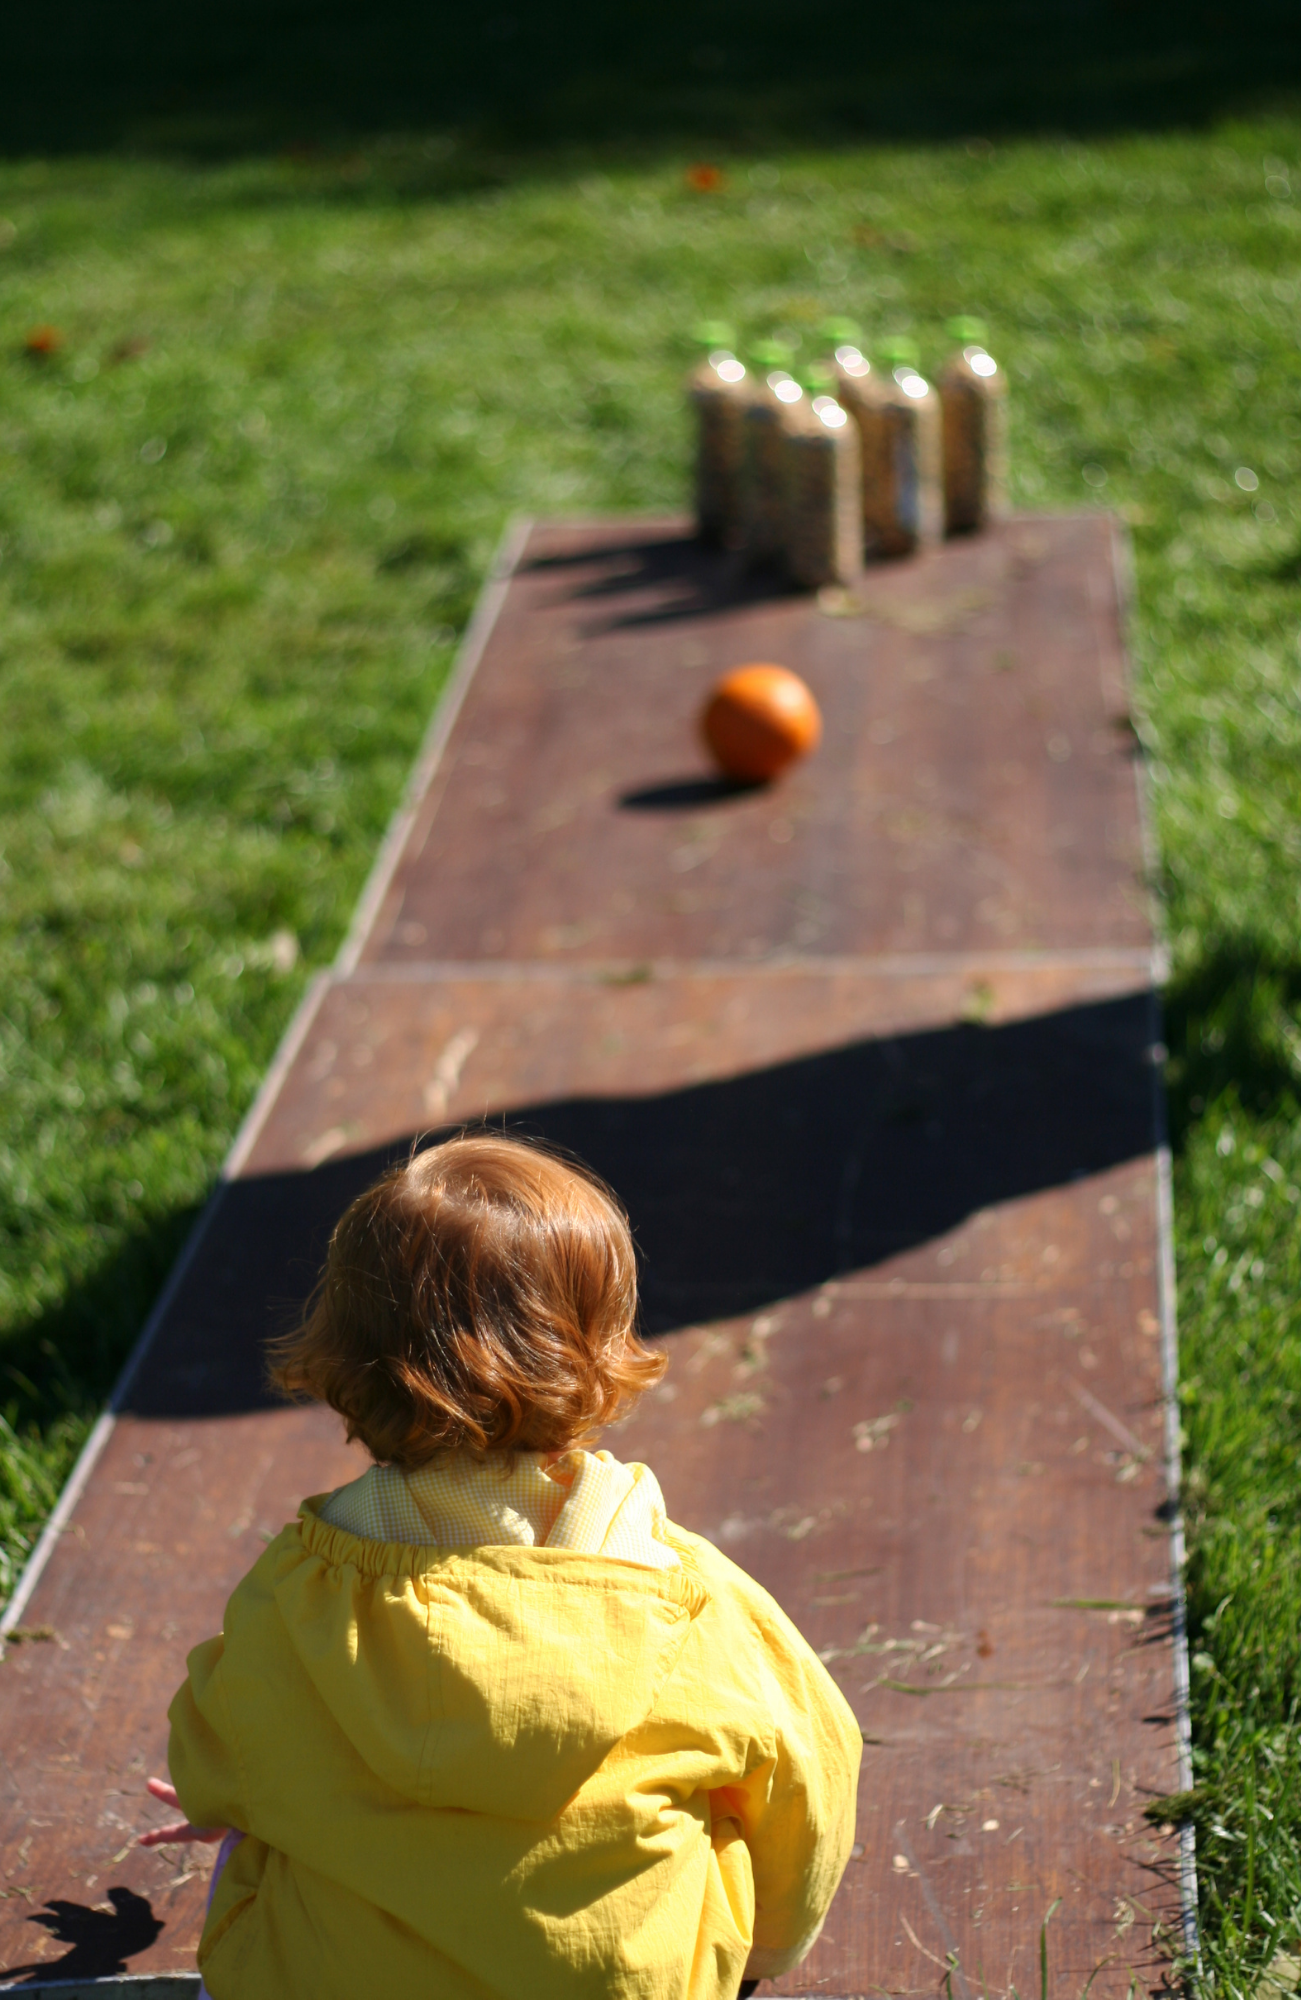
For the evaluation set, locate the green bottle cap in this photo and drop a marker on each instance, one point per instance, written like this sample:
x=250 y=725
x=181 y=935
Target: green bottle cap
x=841 y=332
x=712 y=333
x=971 y=332
x=900 y=352
x=817 y=381
x=766 y=354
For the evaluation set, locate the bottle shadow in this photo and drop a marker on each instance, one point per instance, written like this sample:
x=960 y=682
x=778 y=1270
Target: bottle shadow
x=668 y=573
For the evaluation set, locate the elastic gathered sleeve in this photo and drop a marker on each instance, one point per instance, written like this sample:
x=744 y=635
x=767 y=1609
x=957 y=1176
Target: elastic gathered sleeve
x=201 y=1752
x=797 y=1807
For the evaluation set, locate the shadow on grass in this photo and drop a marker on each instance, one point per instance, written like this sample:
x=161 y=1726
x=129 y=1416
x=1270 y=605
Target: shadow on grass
x=1287 y=568
x=1231 y=1025
x=66 y=1359
x=240 y=77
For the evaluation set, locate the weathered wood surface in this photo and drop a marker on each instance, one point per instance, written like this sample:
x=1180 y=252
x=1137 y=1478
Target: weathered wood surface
x=973 y=789
x=869 y=1057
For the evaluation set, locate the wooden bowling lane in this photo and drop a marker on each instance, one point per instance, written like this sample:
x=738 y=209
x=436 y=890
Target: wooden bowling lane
x=974 y=788
x=916 y=1389
x=766 y=1131
x=173 y=1515
x=951 y=1480
x=869 y=1058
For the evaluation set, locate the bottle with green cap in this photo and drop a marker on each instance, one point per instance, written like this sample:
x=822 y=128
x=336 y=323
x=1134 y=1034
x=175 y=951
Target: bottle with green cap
x=837 y=331
x=823 y=533
x=903 y=495
x=718 y=389
x=860 y=391
x=773 y=392
x=973 y=394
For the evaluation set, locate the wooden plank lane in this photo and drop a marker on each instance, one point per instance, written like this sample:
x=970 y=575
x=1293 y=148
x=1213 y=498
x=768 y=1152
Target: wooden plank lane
x=780 y=1132
x=895 y=1190
x=842 y=1263
x=173 y=1516
x=974 y=787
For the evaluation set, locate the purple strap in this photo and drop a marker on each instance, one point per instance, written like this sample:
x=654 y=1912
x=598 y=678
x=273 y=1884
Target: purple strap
x=224 y=1852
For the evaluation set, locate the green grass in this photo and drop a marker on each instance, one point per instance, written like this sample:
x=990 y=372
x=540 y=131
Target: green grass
x=242 y=512
x=1241 y=1264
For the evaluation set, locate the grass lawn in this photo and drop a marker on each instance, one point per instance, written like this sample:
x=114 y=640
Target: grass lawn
x=243 y=510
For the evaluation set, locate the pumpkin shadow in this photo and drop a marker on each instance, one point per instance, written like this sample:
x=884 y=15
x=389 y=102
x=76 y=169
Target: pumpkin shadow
x=688 y=794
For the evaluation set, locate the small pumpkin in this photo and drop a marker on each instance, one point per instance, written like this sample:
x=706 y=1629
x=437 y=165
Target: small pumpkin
x=758 y=719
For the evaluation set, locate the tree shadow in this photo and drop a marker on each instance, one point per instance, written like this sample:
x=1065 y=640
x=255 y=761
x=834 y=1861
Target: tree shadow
x=1231 y=1025
x=65 y=1359
x=101 y=1941
x=517 y=77
x=742 y=1190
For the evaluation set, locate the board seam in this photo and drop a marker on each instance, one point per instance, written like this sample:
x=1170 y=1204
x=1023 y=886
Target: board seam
x=1140 y=959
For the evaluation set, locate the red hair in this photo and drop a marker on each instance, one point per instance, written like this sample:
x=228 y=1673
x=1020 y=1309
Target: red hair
x=482 y=1297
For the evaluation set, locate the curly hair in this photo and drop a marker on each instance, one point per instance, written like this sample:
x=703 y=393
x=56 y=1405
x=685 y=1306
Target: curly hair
x=480 y=1298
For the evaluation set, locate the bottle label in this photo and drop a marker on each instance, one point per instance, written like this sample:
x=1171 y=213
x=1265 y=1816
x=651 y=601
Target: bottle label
x=907 y=507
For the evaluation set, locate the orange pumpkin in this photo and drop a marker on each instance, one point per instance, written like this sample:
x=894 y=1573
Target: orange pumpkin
x=758 y=720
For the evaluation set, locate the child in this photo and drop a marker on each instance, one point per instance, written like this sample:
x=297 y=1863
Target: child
x=484 y=1722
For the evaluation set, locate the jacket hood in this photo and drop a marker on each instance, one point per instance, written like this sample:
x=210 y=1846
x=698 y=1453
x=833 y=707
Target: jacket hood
x=491 y=1680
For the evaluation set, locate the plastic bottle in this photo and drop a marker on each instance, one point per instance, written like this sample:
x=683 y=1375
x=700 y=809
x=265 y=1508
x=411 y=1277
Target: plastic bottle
x=973 y=395
x=837 y=332
x=903 y=494
x=824 y=487
x=773 y=389
x=719 y=390
x=861 y=392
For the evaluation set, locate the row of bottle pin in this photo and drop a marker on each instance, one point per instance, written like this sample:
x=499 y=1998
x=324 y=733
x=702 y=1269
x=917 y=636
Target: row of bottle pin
x=850 y=463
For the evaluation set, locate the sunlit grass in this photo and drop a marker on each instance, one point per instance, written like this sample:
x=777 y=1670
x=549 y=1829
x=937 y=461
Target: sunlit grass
x=242 y=511
x=1240 y=1189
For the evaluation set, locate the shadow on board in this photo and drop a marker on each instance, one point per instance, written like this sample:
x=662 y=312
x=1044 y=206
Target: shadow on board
x=741 y=1191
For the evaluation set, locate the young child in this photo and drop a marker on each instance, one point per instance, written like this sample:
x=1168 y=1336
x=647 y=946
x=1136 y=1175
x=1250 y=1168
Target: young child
x=484 y=1722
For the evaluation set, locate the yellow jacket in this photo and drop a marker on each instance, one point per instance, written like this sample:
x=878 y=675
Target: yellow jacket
x=510 y=1771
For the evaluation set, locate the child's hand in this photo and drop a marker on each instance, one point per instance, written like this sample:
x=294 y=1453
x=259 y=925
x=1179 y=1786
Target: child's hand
x=159 y=1836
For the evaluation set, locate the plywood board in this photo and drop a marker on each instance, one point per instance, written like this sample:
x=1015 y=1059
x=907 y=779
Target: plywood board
x=892 y=1168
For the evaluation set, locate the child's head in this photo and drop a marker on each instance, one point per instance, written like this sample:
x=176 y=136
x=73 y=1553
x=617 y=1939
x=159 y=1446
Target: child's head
x=481 y=1297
